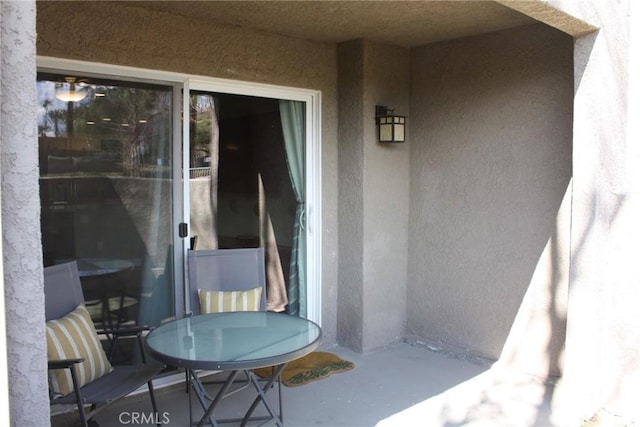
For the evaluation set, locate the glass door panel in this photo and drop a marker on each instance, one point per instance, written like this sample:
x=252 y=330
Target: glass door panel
x=106 y=192
x=247 y=181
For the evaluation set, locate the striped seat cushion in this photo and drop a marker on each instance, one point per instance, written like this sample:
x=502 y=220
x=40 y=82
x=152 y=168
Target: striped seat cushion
x=221 y=301
x=74 y=336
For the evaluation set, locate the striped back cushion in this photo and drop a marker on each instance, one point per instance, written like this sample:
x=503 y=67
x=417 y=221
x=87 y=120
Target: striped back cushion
x=74 y=336
x=221 y=301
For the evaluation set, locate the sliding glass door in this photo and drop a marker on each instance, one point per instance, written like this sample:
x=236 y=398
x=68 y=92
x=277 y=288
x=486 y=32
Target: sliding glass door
x=131 y=167
x=247 y=179
x=106 y=167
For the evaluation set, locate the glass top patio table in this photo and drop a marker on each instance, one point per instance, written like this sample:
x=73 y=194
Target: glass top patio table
x=233 y=340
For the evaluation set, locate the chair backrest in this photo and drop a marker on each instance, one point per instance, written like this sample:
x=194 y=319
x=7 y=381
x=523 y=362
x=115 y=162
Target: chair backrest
x=62 y=289
x=226 y=270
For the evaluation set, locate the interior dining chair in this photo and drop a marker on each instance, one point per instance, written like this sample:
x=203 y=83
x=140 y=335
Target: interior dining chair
x=223 y=280
x=79 y=371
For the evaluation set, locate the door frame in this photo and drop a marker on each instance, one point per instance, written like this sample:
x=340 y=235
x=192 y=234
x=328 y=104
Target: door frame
x=312 y=100
x=183 y=83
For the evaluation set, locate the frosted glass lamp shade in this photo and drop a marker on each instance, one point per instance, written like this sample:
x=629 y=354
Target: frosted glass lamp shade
x=390 y=126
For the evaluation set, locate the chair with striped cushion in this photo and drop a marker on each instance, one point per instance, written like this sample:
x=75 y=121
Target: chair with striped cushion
x=227 y=280
x=222 y=280
x=79 y=370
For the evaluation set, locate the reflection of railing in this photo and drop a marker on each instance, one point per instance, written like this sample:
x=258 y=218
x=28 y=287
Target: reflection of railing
x=145 y=172
x=162 y=172
x=199 y=172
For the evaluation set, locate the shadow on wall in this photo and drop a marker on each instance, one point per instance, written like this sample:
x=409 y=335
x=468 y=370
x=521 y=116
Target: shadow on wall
x=489 y=193
x=526 y=246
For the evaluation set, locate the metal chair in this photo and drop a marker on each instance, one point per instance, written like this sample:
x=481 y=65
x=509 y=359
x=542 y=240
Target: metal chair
x=63 y=294
x=228 y=270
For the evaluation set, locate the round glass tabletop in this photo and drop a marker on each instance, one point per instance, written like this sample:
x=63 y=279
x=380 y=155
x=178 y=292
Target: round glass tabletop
x=235 y=340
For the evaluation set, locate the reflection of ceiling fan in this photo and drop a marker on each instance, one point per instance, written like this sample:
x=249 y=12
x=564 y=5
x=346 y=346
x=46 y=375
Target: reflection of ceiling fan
x=72 y=90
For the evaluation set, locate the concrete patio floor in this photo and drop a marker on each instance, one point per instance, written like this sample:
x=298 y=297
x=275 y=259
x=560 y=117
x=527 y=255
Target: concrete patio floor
x=405 y=384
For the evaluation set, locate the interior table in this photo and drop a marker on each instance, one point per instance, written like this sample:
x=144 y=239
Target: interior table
x=235 y=342
x=92 y=267
x=106 y=296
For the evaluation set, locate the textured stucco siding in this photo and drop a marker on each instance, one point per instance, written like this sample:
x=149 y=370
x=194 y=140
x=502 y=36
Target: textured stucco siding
x=120 y=34
x=350 y=190
x=490 y=166
x=22 y=254
x=602 y=363
x=115 y=33
x=374 y=196
x=386 y=198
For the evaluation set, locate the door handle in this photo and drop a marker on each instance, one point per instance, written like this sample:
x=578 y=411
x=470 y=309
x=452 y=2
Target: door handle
x=183 y=229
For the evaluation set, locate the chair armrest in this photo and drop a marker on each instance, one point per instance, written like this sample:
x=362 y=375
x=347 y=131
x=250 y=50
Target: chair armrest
x=129 y=331
x=64 y=363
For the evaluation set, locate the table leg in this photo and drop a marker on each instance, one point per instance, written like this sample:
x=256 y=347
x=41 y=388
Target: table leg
x=261 y=390
x=261 y=396
x=190 y=391
x=201 y=393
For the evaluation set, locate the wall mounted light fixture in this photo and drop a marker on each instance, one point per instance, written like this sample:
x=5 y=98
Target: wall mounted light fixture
x=390 y=126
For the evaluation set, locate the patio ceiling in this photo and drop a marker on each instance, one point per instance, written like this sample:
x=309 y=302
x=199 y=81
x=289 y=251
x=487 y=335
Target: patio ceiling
x=403 y=23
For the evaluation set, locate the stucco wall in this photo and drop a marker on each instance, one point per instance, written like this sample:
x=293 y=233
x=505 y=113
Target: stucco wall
x=386 y=198
x=490 y=165
x=602 y=371
x=351 y=203
x=113 y=33
x=374 y=196
x=22 y=254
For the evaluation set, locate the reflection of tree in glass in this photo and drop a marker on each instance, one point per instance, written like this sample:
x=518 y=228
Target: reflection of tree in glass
x=134 y=116
x=201 y=122
x=129 y=122
x=56 y=119
x=204 y=130
x=52 y=120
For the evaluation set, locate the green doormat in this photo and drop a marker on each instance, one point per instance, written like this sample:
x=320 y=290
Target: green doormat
x=312 y=367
